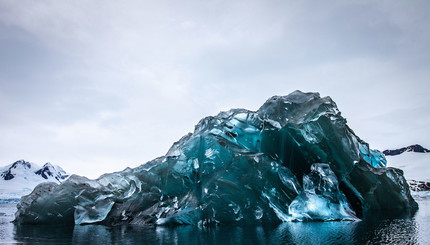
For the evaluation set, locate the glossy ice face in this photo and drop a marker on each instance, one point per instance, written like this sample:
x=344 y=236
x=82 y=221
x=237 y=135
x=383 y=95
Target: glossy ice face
x=285 y=162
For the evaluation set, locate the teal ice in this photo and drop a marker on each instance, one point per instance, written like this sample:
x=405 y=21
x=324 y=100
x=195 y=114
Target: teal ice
x=295 y=159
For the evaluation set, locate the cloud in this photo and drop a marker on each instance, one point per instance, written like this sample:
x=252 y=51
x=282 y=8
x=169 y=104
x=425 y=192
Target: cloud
x=96 y=87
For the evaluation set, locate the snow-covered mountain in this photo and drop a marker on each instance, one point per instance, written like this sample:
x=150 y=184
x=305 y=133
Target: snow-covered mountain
x=415 y=162
x=411 y=148
x=20 y=178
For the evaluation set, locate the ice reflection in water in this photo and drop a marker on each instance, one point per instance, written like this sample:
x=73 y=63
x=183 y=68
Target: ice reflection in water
x=387 y=231
x=373 y=230
x=43 y=234
x=316 y=232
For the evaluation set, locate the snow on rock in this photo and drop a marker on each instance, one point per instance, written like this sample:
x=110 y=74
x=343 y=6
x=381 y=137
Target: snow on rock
x=411 y=148
x=20 y=178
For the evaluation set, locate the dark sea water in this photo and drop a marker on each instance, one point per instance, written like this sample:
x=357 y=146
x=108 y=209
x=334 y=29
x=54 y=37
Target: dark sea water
x=412 y=229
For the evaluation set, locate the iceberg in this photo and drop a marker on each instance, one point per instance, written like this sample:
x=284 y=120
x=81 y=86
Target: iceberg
x=295 y=159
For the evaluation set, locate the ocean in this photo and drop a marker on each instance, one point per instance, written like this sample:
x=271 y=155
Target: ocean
x=408 y=229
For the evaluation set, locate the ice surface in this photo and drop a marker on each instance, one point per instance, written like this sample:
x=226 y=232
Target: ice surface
x=240 y=167
x=321 y=198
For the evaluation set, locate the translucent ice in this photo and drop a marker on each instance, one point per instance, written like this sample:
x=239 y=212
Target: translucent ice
x=321 y=198
x=239 y=167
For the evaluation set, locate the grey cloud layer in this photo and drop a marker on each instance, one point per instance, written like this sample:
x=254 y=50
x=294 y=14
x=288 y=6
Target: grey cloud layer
x=100 y=86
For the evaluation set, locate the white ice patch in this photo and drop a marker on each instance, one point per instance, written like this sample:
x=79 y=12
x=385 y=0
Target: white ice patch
x=210 y=153
x=274 y=123
x=415 y=165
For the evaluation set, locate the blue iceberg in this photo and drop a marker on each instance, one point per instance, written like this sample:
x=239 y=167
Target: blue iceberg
x=295 y=159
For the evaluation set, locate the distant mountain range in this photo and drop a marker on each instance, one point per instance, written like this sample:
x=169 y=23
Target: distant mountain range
x=411 y=148
x=20 y=178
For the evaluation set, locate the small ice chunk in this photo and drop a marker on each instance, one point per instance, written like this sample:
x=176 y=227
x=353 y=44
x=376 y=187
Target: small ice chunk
x=258 y=213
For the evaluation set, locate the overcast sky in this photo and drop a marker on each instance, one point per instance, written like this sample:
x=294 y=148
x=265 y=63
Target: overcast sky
x=96 y=86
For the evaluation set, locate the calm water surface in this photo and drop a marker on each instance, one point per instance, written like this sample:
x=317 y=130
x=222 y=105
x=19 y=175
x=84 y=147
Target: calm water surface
x=373 y=230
